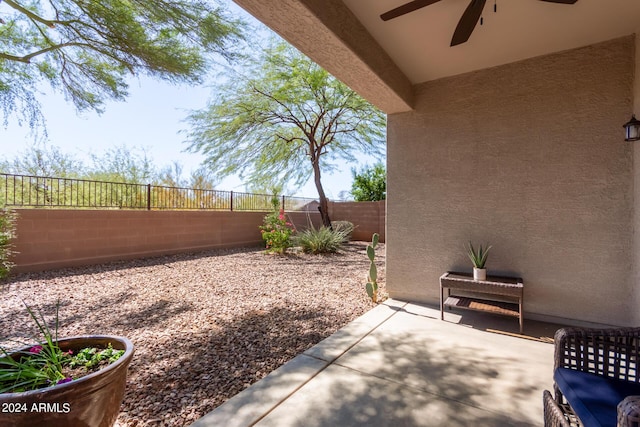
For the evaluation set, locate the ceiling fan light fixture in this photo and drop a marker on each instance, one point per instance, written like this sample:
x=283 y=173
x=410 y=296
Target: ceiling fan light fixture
x=467 y=22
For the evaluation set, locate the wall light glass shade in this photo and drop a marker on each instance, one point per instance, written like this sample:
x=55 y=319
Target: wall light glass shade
x=632 y=128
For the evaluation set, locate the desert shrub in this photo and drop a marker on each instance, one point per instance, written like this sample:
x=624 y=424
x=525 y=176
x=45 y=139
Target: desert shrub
x=345 y=226
x=7 y=233
x=320 y=240
x=276 y=232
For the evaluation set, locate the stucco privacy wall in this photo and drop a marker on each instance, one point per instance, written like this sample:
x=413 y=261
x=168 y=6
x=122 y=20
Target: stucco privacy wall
x=531 y=158
x=368 y=216
x=50 y=239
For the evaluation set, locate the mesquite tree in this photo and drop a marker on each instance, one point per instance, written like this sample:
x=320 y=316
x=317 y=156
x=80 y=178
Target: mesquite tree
x=283 y=119
x=86 y=49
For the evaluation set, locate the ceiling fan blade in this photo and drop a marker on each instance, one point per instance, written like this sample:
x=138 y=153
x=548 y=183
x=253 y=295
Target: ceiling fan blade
x=561 y=1
x=468 y=22
x=406 y=8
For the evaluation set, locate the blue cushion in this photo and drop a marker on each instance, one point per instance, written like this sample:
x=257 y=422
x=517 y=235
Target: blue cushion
x=593 y=398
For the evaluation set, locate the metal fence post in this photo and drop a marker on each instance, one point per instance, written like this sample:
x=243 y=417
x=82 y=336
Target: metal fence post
x=231 y=201
x=283 y=202
x=148 y=197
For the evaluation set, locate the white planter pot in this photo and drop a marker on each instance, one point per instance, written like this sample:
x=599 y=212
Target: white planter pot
x=479 y=273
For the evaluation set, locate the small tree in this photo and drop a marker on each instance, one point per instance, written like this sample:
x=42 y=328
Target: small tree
x=370 y=184
x=283 y=121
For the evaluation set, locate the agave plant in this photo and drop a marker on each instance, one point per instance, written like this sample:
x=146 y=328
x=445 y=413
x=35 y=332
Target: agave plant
x=479 y=257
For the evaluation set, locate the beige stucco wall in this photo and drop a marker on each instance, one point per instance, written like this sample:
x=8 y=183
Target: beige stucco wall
x=529 y=157
x=636 y=184
x=49 y=239
x=58 y=238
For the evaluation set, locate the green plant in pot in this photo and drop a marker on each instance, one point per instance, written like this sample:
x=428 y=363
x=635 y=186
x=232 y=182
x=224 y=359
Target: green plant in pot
x=77 y=381
x=478 y=258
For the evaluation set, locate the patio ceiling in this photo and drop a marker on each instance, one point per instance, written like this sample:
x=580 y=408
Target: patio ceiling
x=383 y=60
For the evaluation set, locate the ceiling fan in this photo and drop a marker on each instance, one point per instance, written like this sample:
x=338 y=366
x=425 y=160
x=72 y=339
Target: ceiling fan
x=466 y=24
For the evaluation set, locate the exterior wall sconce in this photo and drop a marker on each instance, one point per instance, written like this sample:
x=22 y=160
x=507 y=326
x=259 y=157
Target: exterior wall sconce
x=632 y=128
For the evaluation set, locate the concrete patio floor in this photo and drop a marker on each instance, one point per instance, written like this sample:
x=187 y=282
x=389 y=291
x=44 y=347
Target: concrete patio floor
x=399 y=365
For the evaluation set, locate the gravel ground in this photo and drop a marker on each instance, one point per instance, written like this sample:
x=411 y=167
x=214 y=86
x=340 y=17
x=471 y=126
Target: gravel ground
x=205 y=326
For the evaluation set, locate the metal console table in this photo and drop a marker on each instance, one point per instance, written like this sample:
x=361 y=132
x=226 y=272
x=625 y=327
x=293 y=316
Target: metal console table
x=498 y=294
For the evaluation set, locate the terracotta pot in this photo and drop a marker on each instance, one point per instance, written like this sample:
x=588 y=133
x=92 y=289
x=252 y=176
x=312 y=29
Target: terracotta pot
x=91 y=401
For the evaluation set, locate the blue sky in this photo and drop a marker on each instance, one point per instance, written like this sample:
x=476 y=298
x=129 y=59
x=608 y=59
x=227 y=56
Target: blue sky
x=151 y=117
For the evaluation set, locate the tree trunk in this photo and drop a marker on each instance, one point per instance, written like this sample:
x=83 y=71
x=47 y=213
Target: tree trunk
x=324 y=205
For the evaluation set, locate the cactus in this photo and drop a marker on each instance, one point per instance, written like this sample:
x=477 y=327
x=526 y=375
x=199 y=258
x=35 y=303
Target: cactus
x=372 y=280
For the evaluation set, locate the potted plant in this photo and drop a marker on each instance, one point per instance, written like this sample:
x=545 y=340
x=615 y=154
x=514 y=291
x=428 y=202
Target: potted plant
x=478 y=258
x=77 y=381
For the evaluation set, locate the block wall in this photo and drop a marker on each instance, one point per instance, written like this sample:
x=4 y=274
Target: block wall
x=55 y=238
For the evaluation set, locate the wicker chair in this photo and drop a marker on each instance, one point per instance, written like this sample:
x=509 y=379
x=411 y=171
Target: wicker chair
x=607 y=356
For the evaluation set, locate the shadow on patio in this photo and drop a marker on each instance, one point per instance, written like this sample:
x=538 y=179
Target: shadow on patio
x=399 y=365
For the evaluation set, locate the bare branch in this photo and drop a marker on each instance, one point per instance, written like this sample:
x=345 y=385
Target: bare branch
x=27 y=58
x=13 y=58
x=291 y=115
x=291 y=139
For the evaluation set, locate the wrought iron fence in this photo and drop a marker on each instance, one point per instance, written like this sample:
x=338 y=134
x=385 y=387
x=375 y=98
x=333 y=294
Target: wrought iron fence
x=27 y=191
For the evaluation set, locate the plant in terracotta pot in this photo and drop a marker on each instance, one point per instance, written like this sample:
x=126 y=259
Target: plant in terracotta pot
x=77 y=381
x=479 y=259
